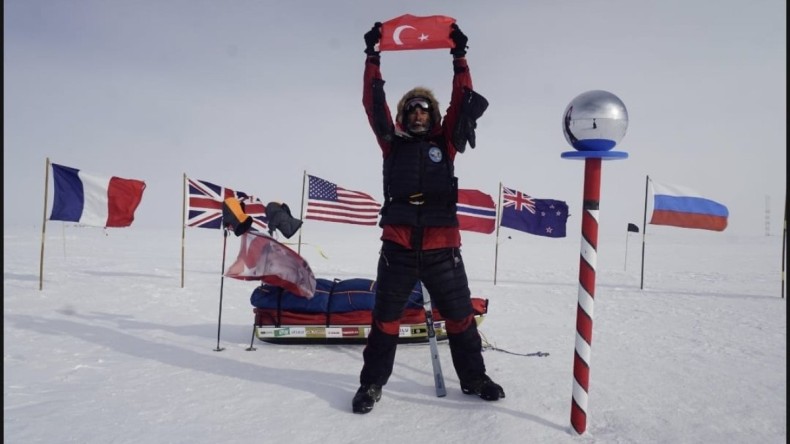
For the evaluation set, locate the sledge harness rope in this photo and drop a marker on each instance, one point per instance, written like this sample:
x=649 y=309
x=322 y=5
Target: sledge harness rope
x=489 y=346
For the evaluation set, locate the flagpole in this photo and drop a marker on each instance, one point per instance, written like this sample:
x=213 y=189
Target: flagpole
x=43 y=228
x=301 y=213
x=183 y=222
x=221 y=283
x=625 y=261
x=784 y=248
x=644 y=233
x=496 y=241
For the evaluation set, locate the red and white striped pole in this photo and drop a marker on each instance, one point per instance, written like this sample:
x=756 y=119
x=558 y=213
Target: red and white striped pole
x=594 y=123
x=584 y=309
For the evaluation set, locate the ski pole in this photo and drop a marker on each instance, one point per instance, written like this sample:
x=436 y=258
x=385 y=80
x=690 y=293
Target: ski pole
x=438 y=377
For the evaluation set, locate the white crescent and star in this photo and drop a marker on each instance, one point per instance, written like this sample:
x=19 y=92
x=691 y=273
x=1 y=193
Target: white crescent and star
x=399 y=29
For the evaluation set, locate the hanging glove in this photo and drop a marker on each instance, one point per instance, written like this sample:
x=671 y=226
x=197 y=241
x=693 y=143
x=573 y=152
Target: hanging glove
x=460 y=39
x=280 y=218
x=473 y=106
x=372 y=37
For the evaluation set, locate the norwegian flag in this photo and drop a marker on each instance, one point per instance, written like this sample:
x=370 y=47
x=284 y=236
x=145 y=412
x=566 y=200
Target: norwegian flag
x=205 y=205
x=476 y=211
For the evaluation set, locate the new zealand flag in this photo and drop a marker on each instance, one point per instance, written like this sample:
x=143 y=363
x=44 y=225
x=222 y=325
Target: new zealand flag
x=542 y=217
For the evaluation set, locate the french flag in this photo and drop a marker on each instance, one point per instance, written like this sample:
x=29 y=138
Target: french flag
x=476 y=211
x=94 y=200
x=681 y=207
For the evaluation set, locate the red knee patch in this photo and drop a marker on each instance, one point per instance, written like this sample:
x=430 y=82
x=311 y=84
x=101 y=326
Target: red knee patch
x=389 y=327
x=458 y=326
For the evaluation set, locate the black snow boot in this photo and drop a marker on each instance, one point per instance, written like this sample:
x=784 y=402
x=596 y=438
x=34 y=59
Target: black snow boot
x=483 y=387
x=366 y=397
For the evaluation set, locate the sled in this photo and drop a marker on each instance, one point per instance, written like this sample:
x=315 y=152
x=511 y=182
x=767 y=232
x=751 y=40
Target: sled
x=339 y=312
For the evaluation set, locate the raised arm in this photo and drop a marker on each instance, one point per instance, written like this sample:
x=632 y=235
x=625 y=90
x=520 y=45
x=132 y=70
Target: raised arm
x=462 y=80
x=373 y=98
x=466 y=105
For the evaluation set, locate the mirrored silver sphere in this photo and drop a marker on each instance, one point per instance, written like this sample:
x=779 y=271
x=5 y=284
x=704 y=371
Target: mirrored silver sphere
x=595 y=121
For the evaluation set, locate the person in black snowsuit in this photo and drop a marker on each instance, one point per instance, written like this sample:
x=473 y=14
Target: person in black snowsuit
x=420 y=235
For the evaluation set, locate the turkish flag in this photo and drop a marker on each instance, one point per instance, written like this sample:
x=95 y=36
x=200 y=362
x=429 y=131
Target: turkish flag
x=412 y=32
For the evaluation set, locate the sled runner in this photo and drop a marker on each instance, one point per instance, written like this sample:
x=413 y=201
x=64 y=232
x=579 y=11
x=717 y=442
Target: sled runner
x=340 y=311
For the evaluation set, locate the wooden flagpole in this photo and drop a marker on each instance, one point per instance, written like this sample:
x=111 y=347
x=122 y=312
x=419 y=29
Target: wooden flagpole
x=43 y=228
x=496 y=248
x=644 y=233
x=183 y=222
x=301 y=214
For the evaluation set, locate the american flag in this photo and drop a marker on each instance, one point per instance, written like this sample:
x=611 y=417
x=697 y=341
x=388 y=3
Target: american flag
x=541 y=217
x=476 y=211
x=330 y=203
x=205 y=205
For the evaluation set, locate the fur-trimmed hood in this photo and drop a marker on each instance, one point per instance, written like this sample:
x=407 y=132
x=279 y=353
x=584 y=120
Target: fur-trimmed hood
x=436 y=115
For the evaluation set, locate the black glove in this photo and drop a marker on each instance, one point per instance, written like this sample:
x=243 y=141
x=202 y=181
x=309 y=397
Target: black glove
x=280 y=218
x=473 y=106
x=372 y=37
x=460 y=39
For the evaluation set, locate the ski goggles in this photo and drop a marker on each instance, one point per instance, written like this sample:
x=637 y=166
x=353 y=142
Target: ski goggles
x=417 y=102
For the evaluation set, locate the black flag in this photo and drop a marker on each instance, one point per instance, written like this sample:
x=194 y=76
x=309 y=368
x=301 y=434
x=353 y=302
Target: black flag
x=633 y=228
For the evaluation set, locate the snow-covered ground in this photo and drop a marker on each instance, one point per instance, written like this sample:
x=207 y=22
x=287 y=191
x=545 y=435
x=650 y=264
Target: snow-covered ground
x=115 y=350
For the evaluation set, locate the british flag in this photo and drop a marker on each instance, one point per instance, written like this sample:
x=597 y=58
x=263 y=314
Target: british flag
x=518 y=200
x=205 y=205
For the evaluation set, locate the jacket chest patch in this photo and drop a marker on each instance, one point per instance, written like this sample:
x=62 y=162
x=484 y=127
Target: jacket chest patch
x=435 y=154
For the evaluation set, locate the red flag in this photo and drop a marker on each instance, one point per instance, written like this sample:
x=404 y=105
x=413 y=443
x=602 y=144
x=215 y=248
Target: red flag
x=476 y=211
x=412 y=32
x=263 y=258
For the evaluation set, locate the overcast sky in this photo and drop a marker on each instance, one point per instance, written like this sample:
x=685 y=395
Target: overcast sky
x=250 y=94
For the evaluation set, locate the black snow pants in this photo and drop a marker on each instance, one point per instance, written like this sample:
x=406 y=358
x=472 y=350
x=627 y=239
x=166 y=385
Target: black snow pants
x=444 y=276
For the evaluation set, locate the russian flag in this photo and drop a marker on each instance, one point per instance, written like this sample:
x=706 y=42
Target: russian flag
x=94 y=200
x=681 y=207
x=476 y=211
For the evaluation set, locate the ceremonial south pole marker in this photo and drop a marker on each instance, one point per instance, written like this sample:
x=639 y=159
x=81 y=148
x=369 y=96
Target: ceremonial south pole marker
x=593 y=123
